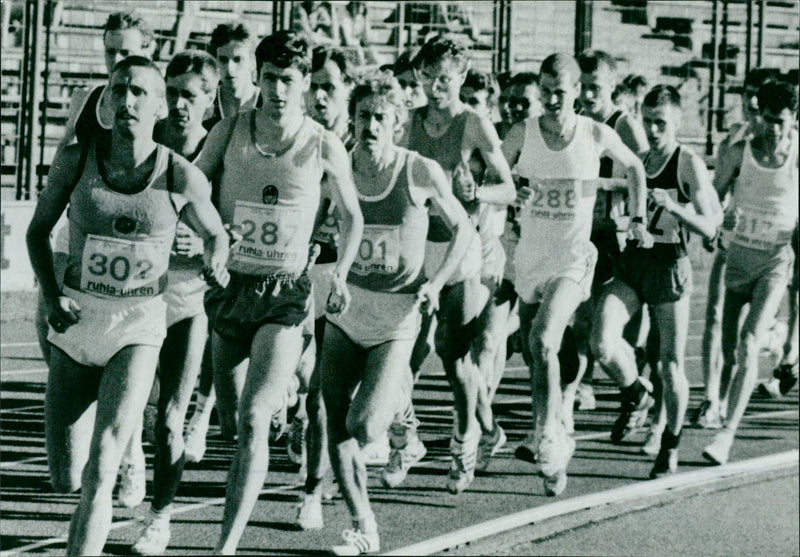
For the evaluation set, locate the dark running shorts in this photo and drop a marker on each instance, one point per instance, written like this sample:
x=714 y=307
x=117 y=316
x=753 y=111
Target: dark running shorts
x=608 y=254
x=655 y=279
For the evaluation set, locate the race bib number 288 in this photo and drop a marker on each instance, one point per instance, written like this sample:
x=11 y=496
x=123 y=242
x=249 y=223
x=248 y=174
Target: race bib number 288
x=122 y=268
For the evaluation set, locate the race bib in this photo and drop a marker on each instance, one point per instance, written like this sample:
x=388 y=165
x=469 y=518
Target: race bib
x=662 y=225
x=757 y=229
x=271 y=235
x=122 y=268
x=379 y=252
x=555 y=199
x=328 y=231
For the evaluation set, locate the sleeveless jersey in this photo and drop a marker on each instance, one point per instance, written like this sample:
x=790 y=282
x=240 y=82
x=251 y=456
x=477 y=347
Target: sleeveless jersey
x=767 y=198
x=89 y=124
x=669 y=234
x=395 y=225
x=446 y=150
x=216 y=114
x=609 y=203
x=559 y=216
x=271 y=199
x=119 y=242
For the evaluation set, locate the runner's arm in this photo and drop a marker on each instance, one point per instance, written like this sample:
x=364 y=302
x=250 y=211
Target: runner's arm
x=431 y=178
x=632 y=135
x=611 y=145
x=210 y=159
x=52 y=201
x=76 y=104
x=339 y=187
x=512 y=144
x=482 y=136
x=729 y=161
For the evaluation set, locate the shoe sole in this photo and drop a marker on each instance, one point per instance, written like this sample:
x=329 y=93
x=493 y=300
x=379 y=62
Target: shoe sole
x=712 y=459
x=526 y=454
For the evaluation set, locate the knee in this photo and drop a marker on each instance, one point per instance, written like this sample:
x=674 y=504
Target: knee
x=253 y=426
x=747 y=348
x=363 y=428
x=489 y=340
x=600 y=345
x=542 y=347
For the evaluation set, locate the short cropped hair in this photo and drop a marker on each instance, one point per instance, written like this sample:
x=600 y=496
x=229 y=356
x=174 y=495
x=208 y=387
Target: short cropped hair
x=382 y=85
x=120 y=21
x=524 y=79
x=196 y=62
x=284 y=49
x=777 y=96
x=636 y=83
x=441 y=47
x=559 y=64
x=591 y=60
x=225 y=33
x=139 y=62
x=662 y=95
x=323 y=54
x=504 y=80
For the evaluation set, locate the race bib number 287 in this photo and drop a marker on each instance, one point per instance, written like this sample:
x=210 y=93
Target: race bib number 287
x=122 y=268
x=271 y=235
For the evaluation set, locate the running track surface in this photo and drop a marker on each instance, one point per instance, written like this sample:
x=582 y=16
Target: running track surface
x=35 y=519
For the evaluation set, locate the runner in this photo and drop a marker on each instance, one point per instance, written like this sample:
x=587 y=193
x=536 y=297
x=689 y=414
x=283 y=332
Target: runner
x=559 y=164
x=659 y=276
x=524 y=99
x=192 y=79
x=368 y=347
x=124 y=34
x=257 y=335
x=763 y=174
x=449 y=132
x=710 y=413
x=124 y=197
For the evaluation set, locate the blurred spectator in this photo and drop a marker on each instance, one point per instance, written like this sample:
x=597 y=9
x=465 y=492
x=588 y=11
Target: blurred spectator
x=423 y=19
x=503 y=108
x=637 y=85
x=480 y=91
x=407 y=77
x=524 y=100
x=233 y=46
x=317 y=21
x=356 y=33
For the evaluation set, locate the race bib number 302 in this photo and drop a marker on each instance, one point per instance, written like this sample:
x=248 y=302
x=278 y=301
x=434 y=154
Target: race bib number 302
x=379 y=252
x=122 y=268
x=271 y=235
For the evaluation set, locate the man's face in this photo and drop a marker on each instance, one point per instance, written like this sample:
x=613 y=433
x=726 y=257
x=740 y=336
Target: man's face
x=524 y=102
x=442 y=82
x=503 y=105
x=122 y=43
x=236 y=61
x=137 y=100
x=477 y=99
x=375 y=123
x=773 y=127
x=412 y=89
x=282 y=89
x=328 y=94
x=596 y=90
x=187 y=101
x=660 y=125
x=558 y=95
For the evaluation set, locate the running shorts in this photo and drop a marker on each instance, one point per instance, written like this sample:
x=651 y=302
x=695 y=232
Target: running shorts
x=184 y=299
x=748 y=267
x=655 y=279
x=532 y=283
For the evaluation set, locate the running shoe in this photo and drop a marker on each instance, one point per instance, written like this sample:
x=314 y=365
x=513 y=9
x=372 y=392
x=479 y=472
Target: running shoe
x=154 y=537
x=309 y=512
x=401 y=460
x=555 y=484
x=357 y=542
x=666 y=463
x=377 y=452
x=633 y=413
x=132 y=484
x=719 y=450
x=528 y=449
x=771 y=388
x=707 y=416
x=296 y=444
x=488 y=446
x=652 y=444
x=194 y=447
x=279 y=424
x=464 y=456
x=584 y=398
x=787 y=376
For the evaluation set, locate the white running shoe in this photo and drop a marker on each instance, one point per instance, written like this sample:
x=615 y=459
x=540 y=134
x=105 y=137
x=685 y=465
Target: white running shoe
x=132 y=485
x=377 y=452
x=652 y=444
x=194 y=446
x=309 y=512
x=401 y=460
x=488 y=446
x=585 y=397
x=529 y=448
x=154 y=538
x=555 y=484
x=719 y=450
x=357 y=542
x=462 y=466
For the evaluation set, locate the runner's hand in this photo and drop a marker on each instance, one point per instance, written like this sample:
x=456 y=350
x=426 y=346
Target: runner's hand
x=732 y=218
x=524 y=195
x=187 y=243
x=313 y=252
x=428 y=298
x=339 y=298
x=215 y=259
x=464 y=186
x=661 y=198
x=62 y=313
x=638 y=232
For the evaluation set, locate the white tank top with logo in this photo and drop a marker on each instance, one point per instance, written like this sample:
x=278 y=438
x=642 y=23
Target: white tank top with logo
x=271 y=200
x=767 y=198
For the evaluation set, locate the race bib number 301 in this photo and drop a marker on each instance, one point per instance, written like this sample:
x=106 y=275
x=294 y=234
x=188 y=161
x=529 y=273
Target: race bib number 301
x=271 y=235
x=122 y=268
x=379 y=252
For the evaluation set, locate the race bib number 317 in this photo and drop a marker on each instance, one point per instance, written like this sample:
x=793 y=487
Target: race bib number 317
x=756 y=229
x=271 y=235
x=122 y=268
